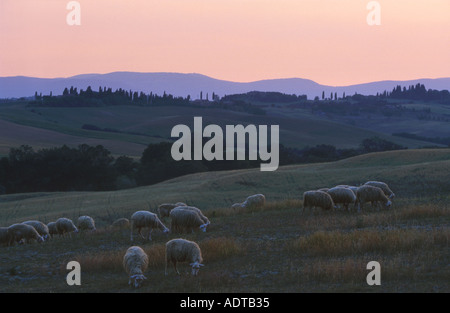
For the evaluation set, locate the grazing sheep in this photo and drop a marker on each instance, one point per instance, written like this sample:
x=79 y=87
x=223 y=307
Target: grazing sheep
x=121 y=223
x=52 y=229
x=135 y=263
x=186 y=220
x=40 y=227
x=65 y=225
x=143 y=219
x=19 y=232
x=342 y=195
x=86 y=223
x=255 y=201
x=316 y=198
x=199 y=212
x=182 y=250
x=367 y=193
x=237 y=206
x=165 y=208
x=4 y=235
x=383 y=186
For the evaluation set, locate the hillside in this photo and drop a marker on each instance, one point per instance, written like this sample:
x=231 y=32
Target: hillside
x=275 y=249
x=179 y=84
x=43 y=127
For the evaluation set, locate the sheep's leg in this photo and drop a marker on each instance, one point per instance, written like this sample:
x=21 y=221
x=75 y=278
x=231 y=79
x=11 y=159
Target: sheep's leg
x=175 y=266
x=150 y=234
x=139 y=231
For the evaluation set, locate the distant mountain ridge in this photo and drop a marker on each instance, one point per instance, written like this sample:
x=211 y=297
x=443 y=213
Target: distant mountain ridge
x=180 y=84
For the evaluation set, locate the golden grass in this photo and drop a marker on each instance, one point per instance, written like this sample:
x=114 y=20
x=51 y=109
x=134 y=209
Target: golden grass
x=357 y=242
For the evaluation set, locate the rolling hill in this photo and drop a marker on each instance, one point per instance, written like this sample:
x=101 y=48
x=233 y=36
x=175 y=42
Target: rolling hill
x=278 y=248
x=179 y=84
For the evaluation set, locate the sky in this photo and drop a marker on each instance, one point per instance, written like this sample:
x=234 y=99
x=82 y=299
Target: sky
x=328 y=41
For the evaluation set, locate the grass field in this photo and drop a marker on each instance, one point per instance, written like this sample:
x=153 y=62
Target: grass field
x=43 y=127
x=275 y=249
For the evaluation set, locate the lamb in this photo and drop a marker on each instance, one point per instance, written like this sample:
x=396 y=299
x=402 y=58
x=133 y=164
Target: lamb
x=40 y=227
x=182 y=250
x=367 y=193
x=186 y=220
x=65 y=225
x=342 y=195
x=19 y=232
x=165 y=208
x=387 y=191
x=52 y=229
x=316 y=198
x=86 y=223
x=121 y=223
x=135 y=263
x=142 y=219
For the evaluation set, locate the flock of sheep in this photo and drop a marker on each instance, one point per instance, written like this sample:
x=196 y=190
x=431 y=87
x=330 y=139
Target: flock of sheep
x=186 y=218
x=374 y=192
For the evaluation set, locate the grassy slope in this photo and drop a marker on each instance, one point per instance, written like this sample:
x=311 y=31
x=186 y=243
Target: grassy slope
x=44 y=127
x=277 y=249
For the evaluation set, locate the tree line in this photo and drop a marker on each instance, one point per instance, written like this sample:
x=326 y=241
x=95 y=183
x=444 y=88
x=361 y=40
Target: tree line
x=93 y=168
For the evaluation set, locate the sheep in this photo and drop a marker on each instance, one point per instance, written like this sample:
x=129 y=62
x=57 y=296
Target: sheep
x=387 y=191
x=316 y=198
x=367 y=193
x=182 y=250
x=4 y=235
x=142 y=219
x=255 y=201
x=52 y=229
x=237 y=206
x=121 y=223
x=135 y=263
x=19 y=232
x=86 y=223
x=65 y=225
x=40 y=227
x=165 y=208
x=199 y=212
x=185 y=220
x=342 y=195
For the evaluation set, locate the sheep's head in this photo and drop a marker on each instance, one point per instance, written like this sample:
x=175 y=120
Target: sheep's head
x=203 y=227
x=40 y=239
x=388 y=204
x=138 y=280
x=195 y=267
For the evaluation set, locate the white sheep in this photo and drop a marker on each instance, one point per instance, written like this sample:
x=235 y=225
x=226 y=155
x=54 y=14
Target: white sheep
x=52 y=229
x=199 y=212
x=342 y=195
x=383 y=186
x=86 y=223
x=165 y=208
x=186 y=220
x=367 y=193
x=316 y=198
x=40 y=227
x=182 y=250
x=255 y=201
x=19 y=232
x=65 y=225
x=121 y=223
x=146 y=219
x=135 y=263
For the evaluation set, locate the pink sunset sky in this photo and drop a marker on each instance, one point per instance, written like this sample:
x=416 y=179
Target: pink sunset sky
x=328 y=41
